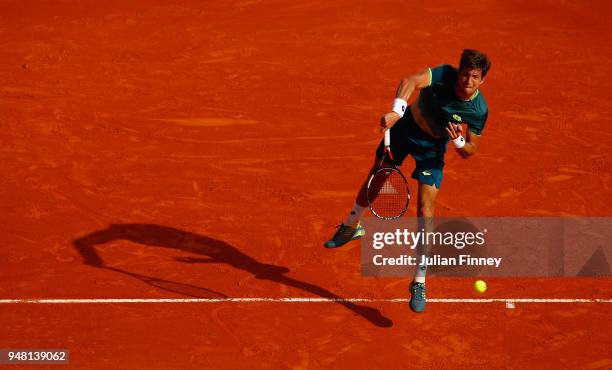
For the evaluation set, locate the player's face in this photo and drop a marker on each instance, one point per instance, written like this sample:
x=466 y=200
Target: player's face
x=468 y=82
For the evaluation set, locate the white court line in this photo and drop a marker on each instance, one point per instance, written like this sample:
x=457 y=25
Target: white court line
x=296 y=300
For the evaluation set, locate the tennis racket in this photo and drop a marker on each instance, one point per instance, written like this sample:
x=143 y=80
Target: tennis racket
x=388 y=192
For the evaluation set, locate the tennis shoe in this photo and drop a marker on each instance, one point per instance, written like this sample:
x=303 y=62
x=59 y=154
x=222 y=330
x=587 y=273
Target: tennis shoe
x=417 y=300
x=345 y=234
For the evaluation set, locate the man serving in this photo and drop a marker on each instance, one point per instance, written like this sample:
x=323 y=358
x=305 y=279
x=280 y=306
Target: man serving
x=448 y=98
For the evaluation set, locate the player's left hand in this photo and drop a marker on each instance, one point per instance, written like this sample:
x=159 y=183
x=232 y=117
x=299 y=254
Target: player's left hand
x=454 y=130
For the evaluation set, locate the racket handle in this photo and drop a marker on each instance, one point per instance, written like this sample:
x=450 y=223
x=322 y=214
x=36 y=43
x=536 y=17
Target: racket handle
x=388 y=138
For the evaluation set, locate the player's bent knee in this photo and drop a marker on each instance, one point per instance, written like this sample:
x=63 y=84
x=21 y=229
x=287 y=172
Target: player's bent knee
x=425 y=211
x=426 y=207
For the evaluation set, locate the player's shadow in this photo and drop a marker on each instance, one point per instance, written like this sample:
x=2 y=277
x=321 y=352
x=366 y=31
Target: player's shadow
x=207 y=250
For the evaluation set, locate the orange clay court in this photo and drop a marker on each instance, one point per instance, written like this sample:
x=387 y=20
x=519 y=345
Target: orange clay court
x=154 y=151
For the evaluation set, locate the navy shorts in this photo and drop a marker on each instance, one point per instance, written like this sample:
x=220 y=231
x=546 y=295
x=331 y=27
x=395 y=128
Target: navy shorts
x=427 y=151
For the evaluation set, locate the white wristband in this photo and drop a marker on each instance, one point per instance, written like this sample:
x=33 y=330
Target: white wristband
x=399 y=106
x=459 y=142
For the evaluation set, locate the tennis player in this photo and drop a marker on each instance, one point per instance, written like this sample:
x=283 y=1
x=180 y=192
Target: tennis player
x=448 y=99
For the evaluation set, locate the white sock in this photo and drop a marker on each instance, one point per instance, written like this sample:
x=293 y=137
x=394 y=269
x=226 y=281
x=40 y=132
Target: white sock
x=421 y=270
x=423 y=250
x=354 y=216
x=419 y=276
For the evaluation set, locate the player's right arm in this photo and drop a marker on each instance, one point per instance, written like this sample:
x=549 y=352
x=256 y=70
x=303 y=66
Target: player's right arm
x=409 y=84
x=405 y=90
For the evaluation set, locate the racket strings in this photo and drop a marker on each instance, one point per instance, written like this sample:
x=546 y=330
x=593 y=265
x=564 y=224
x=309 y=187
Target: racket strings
x=388 y=193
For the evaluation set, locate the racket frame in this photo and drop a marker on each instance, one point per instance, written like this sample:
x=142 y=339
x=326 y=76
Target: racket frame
x=385 y=166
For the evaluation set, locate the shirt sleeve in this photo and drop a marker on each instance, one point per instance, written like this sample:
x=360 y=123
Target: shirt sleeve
x=439 y=73
x=478 y=126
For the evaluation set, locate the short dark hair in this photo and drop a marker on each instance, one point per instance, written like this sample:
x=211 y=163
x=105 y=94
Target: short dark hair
x=475 y=59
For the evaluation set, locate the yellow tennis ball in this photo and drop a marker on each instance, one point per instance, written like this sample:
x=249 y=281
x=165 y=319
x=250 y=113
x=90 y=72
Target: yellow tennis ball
x=480 y=286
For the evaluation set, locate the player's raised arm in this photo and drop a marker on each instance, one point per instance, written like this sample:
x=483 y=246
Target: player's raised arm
x=409 y=84
x=404 y=92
